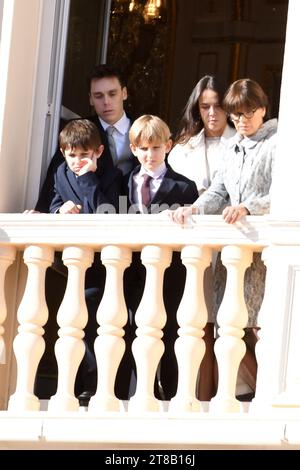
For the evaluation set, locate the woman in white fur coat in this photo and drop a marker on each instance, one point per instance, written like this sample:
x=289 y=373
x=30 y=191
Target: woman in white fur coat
x=202 y=134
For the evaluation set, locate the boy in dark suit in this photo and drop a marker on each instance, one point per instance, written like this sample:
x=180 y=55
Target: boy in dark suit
x=150 y=142
x=83 y=185
x=151 y=188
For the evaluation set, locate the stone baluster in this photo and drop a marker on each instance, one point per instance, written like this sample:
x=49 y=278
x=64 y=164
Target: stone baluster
x=72 y=317
x=232 y=319
x=111 y=316
x=29 y=344
x=7 y=257
x=150 y=318
x=191 y=317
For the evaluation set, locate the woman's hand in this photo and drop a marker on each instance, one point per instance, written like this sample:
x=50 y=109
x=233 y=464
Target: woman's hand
x=233 y=213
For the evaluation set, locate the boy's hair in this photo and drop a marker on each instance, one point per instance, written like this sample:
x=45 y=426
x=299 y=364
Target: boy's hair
x=80 y=133
x=105 y=71
x=148 y=128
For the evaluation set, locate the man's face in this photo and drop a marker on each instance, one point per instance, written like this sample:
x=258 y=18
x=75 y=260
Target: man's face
x=107 y=97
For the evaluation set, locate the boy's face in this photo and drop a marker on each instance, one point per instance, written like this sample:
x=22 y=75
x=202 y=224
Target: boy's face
x=107 y=97
x=77 y=158
x=151 y=155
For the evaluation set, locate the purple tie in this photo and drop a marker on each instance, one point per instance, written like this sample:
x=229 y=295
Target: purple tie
x=145 y=190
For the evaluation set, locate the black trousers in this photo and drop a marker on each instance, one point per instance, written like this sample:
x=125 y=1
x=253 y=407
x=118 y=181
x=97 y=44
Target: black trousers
x=86 y=379
x=134 y=281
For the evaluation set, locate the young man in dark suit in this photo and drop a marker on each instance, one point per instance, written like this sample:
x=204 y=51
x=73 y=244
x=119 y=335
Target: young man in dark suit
x=151 y=188
x=107 y=93
x=82 y=184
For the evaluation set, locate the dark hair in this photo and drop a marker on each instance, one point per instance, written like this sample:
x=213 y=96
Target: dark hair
x=191 y=122
x=80 y=133
x=105 y=71
x=244 y=94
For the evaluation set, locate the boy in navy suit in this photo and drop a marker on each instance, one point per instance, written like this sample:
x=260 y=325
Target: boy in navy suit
x=83 y=185
x=150 y=142
x=151 y=188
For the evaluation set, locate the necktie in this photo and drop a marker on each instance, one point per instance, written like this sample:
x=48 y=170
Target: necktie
x=112 y=145
x=145 y=190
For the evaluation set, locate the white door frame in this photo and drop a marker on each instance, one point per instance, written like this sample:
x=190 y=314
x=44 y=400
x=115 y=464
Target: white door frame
x=49 y=84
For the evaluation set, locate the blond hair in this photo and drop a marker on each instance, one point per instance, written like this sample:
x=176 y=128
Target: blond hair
x=148 y=128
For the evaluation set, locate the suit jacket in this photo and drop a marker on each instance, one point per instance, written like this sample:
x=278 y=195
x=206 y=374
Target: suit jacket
x=91 y=190
x=47 y=191
x=174 y=189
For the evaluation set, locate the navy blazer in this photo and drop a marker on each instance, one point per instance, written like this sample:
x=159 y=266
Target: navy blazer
x=47 y=191
x=91 y=190
x=174 y=189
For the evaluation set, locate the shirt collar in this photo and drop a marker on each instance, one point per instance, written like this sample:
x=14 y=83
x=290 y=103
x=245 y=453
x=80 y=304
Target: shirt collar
x=160 y=171
x=122 y=125
x=266 y=130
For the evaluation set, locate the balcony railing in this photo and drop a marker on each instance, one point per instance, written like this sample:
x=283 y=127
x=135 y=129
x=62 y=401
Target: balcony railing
x=38 y=236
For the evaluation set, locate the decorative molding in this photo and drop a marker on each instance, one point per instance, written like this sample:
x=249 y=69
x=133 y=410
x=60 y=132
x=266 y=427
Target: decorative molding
x=95 y=230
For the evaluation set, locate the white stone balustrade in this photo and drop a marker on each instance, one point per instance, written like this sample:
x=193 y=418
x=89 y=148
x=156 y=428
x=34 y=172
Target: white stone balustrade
x=29 y=344
x=232 y=318
x=111 y=316
x=72 y=317
x=150 y=318
x=156 y=238
x=7 y=257
x=192 y=318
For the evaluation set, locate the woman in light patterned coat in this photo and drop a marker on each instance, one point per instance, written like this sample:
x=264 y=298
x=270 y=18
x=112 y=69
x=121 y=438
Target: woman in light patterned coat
x=243 y=182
